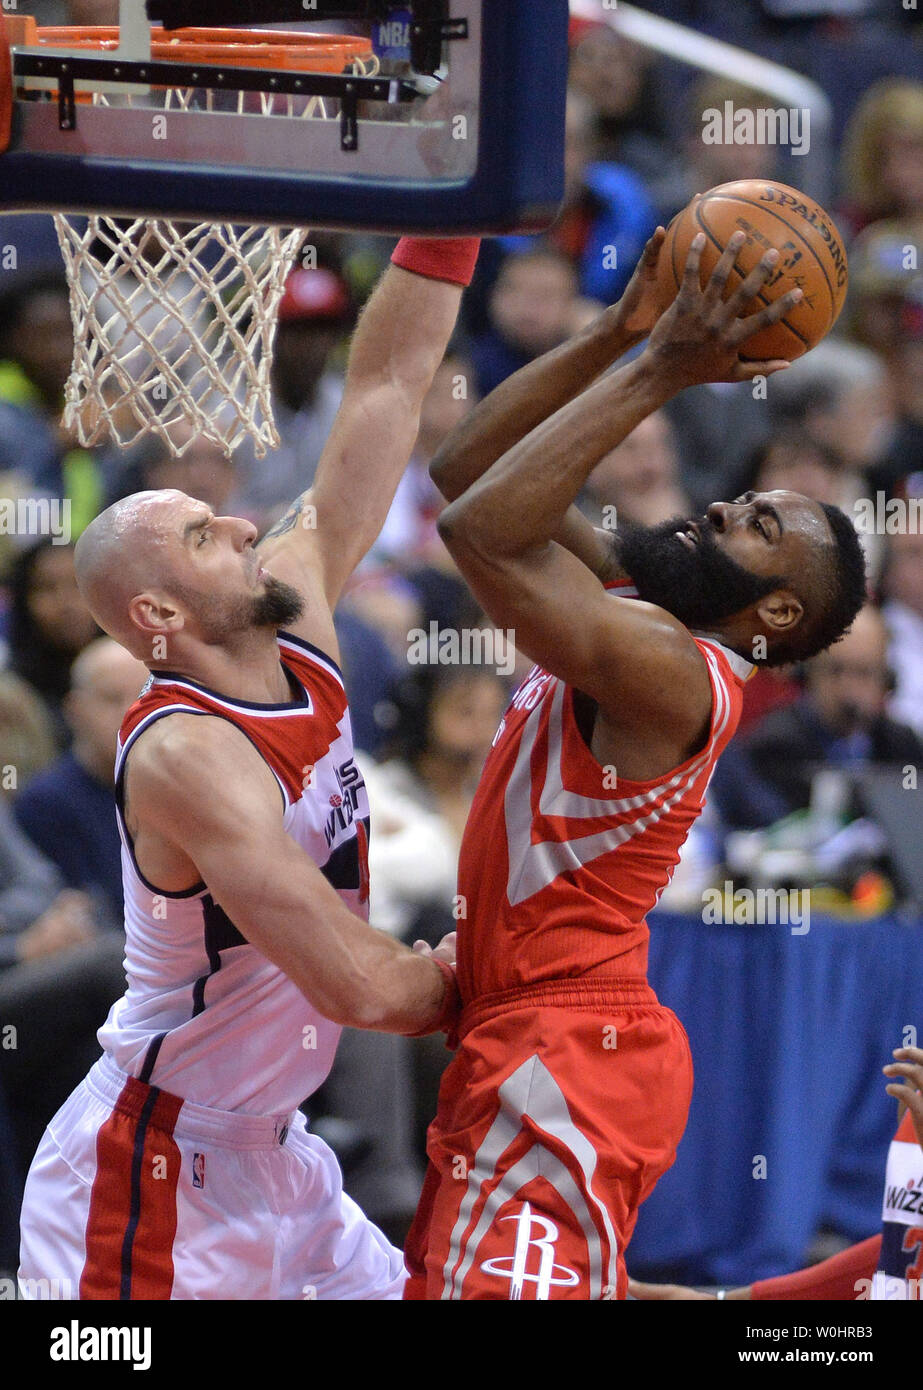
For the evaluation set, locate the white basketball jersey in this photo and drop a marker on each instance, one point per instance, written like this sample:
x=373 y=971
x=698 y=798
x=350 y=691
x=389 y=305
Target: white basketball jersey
x=206 y=1016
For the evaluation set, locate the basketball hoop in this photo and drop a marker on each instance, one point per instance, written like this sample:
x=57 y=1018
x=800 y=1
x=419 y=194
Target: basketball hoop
x=174 y=323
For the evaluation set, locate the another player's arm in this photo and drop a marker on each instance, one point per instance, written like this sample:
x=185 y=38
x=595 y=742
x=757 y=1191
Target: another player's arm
x=398 y=345
x=636 y=661
x=528 y=397
x=202 y=788
x=906 y=1076
x=838 y=1279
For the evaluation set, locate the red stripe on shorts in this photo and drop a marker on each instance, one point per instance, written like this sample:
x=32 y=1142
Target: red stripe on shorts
x=132 y=1219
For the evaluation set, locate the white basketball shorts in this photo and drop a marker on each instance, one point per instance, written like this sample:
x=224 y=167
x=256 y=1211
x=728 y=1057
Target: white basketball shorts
x=136 y=1194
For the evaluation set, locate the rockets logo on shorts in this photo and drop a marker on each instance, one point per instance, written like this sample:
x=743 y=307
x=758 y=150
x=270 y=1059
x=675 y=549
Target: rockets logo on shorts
x=198 y=1170
x=516 y=1267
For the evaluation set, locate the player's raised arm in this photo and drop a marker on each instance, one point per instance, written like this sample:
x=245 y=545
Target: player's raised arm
x=528 y=397
x=201 y=789
x=630 y=657
x=399 y=343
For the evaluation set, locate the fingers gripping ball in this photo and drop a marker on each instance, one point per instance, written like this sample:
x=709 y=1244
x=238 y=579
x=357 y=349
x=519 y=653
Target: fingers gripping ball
x=812 y=258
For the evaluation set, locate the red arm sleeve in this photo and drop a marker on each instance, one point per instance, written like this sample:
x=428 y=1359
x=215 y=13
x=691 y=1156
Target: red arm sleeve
x=833 y=1280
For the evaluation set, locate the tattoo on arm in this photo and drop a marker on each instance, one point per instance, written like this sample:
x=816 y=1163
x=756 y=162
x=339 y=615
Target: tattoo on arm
x=289 y=521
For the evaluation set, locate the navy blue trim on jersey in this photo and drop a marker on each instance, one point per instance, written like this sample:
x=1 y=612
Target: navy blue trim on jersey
x=894 y=1260
x=199 y=887
x=304 y=702
x=196 y=888
x=220 y=935
x=137 y=1158
x=150 y=1058
x=342 y=867
x=315 y=651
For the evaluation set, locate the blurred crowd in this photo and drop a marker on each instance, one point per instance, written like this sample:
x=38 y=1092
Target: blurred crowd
x=842 y=425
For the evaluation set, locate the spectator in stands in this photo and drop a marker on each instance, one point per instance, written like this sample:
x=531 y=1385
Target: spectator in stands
x=883 y=154
x=27 y=740
x=68 y=811
x=314 y=313
x=902 y=587
x=619 y=80
x=605 y=219
x=840 y=721
x=790 y=460
x=409 y=537
x=639 y=481
x=838 y=393
x=718 y=426
x=900 y=471
x=38 y=916
x=419 y=798
x=420 y=795
x=202 y=470
x=793 y=460
x=532 y=308
x=410 y=540
x=49 y=624
x=885 y=313
x=884 y=268
x=709 y=161
x=389 y=605
x=58 y=975
x=606 y=216
x=36 y=347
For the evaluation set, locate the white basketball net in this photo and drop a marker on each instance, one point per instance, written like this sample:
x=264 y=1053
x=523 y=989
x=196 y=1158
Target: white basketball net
x=173 y=324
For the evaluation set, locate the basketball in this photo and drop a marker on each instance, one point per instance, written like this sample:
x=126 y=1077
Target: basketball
x=812 y=258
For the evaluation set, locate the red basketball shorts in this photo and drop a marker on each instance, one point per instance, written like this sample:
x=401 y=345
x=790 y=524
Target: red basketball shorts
x=562 y=1107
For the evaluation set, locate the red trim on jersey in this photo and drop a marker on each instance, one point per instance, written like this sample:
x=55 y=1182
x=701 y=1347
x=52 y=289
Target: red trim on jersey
x=279 y=732
x=834 y=1280
x=362 y=842
x=131 y=1225
x=906 y=1133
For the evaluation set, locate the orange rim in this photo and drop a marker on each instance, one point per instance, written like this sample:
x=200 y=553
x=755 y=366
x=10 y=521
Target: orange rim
x=243 y=48
x=6 y=87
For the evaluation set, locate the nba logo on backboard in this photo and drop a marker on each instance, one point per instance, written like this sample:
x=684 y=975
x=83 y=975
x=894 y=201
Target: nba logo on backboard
x=198 y=1170
x=391 y=36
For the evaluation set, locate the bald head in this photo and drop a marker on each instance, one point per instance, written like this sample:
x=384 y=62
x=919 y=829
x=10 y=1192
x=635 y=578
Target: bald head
x=105 y=680
x=170 y=581
x=106 y=663
x=123 y=552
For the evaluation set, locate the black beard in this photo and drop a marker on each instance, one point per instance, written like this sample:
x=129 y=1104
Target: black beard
x=277 y=606
x=699 y=585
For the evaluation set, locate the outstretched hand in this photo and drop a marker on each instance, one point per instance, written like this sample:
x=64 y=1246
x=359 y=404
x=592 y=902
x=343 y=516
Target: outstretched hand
x=907 y=1084
x=698 y=339
x=640 y=306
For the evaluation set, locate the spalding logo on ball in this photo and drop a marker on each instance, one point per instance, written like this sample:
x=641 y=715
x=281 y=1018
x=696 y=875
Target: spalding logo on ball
x=811 y=252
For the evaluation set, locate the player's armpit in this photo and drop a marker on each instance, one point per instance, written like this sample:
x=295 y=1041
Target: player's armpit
x=637 y=662
x=203 y=787
x=290 y=552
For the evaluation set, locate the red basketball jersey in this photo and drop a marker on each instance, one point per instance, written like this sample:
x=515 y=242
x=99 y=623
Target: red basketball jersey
x=562 y=859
